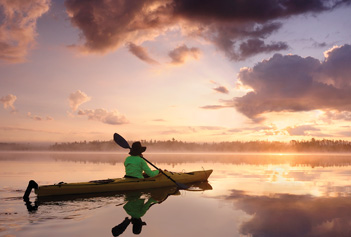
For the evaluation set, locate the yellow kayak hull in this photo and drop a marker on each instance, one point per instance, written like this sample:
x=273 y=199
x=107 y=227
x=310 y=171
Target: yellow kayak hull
x=123 y=184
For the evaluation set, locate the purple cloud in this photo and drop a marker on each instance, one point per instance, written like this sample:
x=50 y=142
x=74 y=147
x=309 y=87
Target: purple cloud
x=141 y=53
x=293 y=83
x=221 y=89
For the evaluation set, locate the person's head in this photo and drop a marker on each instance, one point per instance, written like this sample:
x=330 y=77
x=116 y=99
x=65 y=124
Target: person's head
x=137 y=149
x=137 y=225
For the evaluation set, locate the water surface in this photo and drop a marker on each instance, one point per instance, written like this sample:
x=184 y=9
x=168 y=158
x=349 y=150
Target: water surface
x=252 y=195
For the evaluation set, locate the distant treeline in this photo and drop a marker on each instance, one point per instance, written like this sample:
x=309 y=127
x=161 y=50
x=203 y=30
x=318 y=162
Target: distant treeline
x=21 y=147
x=173 y=145
x=312 y=145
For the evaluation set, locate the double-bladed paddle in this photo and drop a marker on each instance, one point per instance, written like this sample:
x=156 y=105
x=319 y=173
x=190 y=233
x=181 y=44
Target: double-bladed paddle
x=124 y=144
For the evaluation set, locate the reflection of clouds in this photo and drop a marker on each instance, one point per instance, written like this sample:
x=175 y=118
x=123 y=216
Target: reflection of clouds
x=332 y=190
x=287 y=173
x=345 y=172
x=294 y=215
x=304 y=175
x=267 y=179
x=254 y=159
x=278 y=174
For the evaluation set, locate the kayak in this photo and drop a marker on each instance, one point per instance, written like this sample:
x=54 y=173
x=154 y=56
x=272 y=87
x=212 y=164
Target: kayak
x=122 y=184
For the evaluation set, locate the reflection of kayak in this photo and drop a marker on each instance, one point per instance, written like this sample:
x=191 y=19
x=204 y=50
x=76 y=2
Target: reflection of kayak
x=122 y=184
x=157 y=194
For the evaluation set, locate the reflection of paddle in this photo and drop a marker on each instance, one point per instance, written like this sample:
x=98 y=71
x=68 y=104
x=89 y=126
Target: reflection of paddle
x=123 y=143
x=119 y=229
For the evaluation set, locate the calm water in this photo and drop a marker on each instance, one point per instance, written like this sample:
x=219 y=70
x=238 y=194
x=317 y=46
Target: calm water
x=252 y=195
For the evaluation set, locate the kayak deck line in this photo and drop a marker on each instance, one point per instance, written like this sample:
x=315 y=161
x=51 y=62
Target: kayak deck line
x=118 y=184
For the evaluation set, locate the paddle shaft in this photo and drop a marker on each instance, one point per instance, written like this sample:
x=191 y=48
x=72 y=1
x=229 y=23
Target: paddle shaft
x=160 y=170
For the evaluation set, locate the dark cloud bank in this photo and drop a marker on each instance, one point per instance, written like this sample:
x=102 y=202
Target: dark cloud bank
x=238 y=28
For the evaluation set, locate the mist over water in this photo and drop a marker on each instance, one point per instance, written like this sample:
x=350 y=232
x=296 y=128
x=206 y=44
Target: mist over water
x=307 y=194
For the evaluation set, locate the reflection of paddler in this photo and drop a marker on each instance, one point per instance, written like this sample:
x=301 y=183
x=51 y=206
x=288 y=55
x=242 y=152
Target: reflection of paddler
x=137 y=207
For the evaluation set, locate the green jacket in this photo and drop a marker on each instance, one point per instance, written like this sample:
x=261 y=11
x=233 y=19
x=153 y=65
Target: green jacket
x=137 y=208
x=135 y=165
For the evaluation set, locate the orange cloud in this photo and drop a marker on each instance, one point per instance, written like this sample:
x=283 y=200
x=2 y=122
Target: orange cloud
x=104 y=116
x=214 y=107
x=301 y=130
x=18 y=28
x=181 y=53
x=39 y=118
x=8 y=101
x=77 y=98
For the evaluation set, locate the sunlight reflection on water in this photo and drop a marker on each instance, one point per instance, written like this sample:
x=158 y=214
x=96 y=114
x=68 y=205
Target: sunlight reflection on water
x=308 y=195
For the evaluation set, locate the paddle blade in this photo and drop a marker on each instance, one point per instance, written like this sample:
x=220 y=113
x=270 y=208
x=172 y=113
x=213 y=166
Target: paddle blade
x=120 y=141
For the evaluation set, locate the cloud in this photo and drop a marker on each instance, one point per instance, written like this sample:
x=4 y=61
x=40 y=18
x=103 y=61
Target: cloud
x=265 y=129
x=189 y=129
x=256 y=46
x=141 y=53
x=297 y=215
x=345 y=133
x=159 y=120
x=336 y=68
x=106 y=25
x=319 y=45
x=254 y=10
x=214 y=107
x=181 y=53
x=237 y=28
x=221 y=89
x=8 y=101
x=211 y=127
x=77 y=98
x=18 y=27
x=104 y=116
x=39 y=118
x=330 y=115
x=301 y=130
x=293 y=83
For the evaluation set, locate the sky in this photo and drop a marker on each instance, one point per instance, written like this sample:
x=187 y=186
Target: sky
x=192 y=70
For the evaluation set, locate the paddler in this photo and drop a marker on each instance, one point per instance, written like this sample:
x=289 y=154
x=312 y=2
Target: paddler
x=135 y=165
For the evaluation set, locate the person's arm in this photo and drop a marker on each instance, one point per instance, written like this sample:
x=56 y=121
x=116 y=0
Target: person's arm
x=147 y=169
